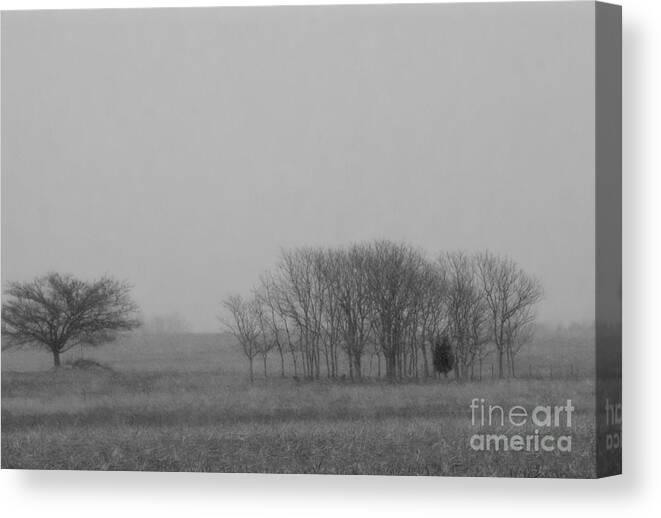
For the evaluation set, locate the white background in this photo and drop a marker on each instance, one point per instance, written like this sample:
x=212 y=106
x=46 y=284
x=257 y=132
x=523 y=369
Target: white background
x=637 y=492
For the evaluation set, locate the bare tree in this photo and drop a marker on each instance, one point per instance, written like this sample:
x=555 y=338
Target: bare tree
x=510 y=294
x=271 y=319
x=519 y=331
x=428 y=314
x=167 y=324
x=466 y=311
x=325 y=270
x=166 y=330
x=266 y=338
x=302 y=302
x=392 y=272
x=57 y=312
x=287 y=337
x=351 y=291
x=243 y=323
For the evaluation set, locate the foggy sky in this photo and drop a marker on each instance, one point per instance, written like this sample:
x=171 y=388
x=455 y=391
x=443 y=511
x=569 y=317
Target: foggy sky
x=179 y=149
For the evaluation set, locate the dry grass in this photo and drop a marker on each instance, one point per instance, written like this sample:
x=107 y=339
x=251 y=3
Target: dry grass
x=210 y=421
x=185 y=405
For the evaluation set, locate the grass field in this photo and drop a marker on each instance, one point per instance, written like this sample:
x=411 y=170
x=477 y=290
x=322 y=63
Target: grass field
x=195 y=415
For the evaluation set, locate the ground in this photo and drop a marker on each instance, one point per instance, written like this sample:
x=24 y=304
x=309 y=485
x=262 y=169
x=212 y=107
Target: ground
x=185 y=414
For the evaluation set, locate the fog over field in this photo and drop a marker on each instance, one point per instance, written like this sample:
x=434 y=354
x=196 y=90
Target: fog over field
x=180 y=149
x=303 y=240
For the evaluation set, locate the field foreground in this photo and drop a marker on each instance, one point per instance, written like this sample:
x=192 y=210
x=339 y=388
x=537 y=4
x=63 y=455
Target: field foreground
x=207 y=421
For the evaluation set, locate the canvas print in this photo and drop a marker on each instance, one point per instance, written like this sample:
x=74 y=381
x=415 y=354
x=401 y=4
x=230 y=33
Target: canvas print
x=356 y=240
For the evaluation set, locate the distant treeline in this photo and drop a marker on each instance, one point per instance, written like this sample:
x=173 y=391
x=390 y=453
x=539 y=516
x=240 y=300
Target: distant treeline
x=329 y=308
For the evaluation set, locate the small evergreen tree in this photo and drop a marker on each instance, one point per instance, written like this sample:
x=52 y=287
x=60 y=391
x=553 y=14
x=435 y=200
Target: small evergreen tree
x=443 y=356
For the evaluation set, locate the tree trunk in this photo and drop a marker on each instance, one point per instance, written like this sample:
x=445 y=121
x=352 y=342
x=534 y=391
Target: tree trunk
x=252 y=372
x=391 y=366
x=56 y=358
x=424 y=358
x=501 y=373
x=327 y=360
x=512 y=370
x=264 y=360
x=357 y=366
x=295 y=362
x=335 y=361
x=317 y=371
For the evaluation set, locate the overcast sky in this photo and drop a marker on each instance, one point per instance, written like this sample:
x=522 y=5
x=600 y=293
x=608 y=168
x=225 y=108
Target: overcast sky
x=179 y=149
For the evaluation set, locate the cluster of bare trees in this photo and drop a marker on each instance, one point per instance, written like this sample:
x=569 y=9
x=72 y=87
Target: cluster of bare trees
x=327 y=310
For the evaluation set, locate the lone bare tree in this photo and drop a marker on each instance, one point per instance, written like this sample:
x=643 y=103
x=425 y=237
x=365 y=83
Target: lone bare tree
x=57 y=312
